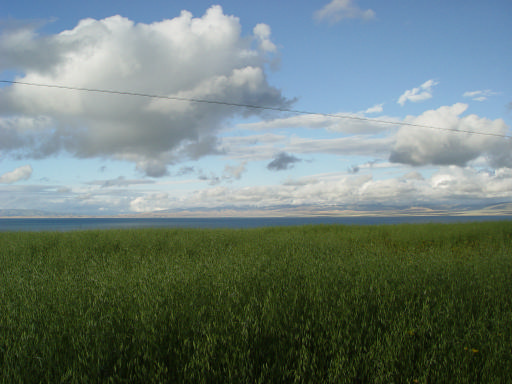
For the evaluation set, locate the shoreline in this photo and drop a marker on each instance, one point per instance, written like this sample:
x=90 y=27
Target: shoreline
x=298 y=215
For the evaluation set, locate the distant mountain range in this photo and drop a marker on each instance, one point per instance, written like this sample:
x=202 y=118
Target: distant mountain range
x=24 y=213
x=502 y=209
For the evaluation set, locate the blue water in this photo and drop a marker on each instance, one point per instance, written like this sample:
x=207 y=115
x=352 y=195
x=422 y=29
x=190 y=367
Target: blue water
x=70 y=224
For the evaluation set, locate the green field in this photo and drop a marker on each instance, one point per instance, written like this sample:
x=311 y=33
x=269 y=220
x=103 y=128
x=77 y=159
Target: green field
x=337 y=304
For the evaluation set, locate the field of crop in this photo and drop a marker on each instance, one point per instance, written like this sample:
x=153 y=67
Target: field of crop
x=336 y=304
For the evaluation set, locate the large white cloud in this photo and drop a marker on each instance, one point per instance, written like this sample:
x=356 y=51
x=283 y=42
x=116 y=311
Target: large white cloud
x=200 y=58
x=454 y=146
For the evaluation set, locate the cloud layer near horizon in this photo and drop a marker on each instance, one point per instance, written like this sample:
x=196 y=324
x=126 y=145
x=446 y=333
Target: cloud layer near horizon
x=186 y=57
x=449 y=185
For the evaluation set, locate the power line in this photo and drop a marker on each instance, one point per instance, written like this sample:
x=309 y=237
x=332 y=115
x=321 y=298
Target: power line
x=251 y=106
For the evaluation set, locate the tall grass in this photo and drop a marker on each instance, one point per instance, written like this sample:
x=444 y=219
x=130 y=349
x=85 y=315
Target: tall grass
x=340 y=304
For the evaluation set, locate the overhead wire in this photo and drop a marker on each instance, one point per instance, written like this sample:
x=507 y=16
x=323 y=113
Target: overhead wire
x=252 y=106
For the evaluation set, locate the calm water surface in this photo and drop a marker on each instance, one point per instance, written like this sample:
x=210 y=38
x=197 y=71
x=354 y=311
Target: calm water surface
x=70 y=224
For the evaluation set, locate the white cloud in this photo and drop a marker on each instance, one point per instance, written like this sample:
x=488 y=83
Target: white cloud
x=451 y=184
x=421 y=146
x=423 y=92
x=468 y=183
x=378 y=108
x=200 y=58
x=338 y=10
x=480 y=95
x=262 y=32
x=417 y=142
x=150 y=202
x=21 y=173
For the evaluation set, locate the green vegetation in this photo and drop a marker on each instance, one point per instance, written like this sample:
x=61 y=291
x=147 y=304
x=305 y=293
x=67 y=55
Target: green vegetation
x=341 y=304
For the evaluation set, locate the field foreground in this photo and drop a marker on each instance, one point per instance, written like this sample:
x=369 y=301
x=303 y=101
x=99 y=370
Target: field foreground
x=340 y=304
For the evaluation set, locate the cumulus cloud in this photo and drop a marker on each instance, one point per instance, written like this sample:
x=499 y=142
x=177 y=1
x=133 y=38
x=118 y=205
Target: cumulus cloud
x=262 y=32
x=282 y=161
x=479 y=95
x=452 y=144
x=22 y=48
x=21 y=173
x=468 y=183
x=423 y=92
x=338 y=10
x=421 y=146
x=201 y=58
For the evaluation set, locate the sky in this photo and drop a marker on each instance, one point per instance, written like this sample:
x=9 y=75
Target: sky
x=360 y=104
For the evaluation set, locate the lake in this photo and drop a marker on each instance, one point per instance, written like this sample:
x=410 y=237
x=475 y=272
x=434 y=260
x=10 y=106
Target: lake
x=70 y=224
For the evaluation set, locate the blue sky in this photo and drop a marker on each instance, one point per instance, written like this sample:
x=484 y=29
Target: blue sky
x=411 y=64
